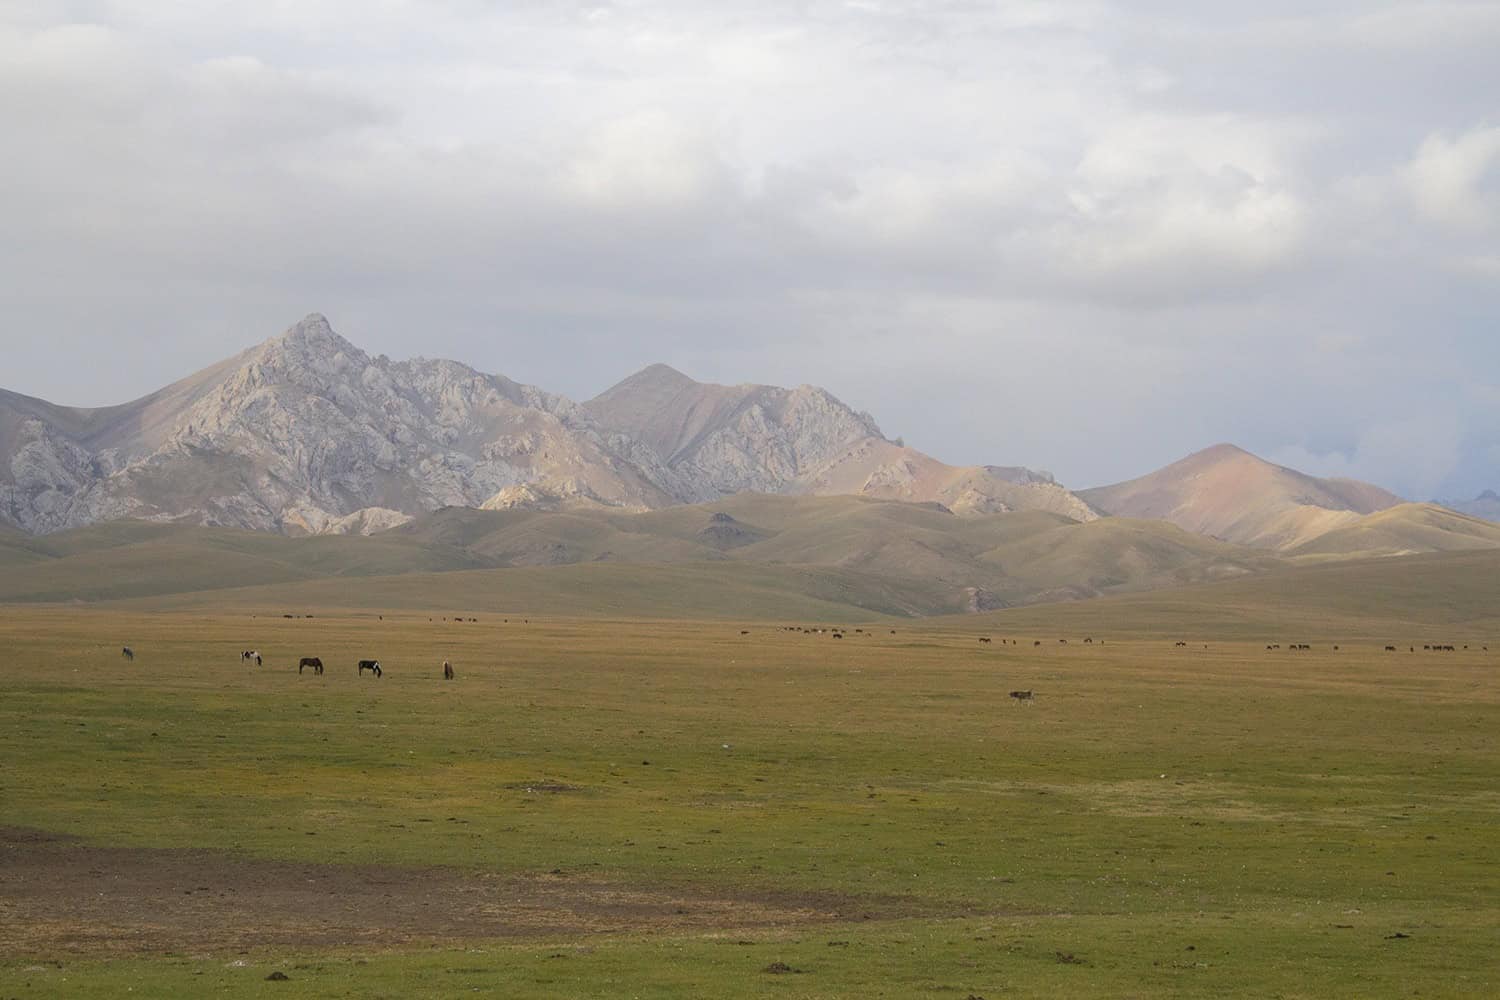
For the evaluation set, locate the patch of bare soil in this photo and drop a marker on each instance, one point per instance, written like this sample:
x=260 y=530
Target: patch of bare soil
x=58 y=895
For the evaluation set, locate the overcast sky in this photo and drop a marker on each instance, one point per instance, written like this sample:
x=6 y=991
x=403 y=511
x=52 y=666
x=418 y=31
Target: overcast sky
x=1088 y=237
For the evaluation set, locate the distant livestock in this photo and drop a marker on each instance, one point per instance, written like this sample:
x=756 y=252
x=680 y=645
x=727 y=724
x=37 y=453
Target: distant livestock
x=250 y=654
x=371 y=665
x=127 y=653
x=447 y=671
x=984 y=638
x=1022 y=697
x=310 y=661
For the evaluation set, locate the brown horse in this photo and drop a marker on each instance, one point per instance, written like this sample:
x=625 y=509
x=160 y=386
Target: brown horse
x=310 y=661
x=447 y=671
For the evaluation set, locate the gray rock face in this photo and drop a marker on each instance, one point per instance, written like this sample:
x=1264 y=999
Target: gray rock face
x=307 y=433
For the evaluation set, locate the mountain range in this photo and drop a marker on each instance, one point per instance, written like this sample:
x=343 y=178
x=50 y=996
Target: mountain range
x=307 y=434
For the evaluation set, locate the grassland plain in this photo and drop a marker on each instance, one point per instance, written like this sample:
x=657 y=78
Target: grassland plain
x=1163 y=821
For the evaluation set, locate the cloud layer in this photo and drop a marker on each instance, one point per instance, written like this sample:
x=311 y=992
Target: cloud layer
x=1085 y=236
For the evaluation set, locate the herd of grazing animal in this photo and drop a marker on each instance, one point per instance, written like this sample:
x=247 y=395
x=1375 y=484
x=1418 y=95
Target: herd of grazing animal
x=313 y=663
x=1022 y=697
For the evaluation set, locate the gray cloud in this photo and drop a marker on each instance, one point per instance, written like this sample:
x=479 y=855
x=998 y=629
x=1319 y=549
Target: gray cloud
x=1083 y=236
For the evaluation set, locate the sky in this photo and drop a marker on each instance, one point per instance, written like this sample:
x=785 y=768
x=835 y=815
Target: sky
x=1086 y=237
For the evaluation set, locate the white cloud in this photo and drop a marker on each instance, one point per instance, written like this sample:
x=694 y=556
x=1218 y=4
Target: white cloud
x=1123 y=213
x=1414 y=455
x=1456 y=181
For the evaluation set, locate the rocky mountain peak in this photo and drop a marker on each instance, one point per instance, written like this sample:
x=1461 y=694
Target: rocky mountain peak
x=308 y=433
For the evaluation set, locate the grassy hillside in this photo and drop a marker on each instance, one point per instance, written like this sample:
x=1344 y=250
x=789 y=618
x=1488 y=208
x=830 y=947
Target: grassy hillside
x=126 y=559
x=1083 y=560
x=881 y=557
x=702 y=590
x=1405 y=530
x=1407 y=600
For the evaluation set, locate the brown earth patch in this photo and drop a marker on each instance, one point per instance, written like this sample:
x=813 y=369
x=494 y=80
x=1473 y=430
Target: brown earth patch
x=59 y=895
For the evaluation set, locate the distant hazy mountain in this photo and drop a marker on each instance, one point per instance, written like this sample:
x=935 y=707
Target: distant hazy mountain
x=307 y=433
x=1486 y=505
x=1231 y=494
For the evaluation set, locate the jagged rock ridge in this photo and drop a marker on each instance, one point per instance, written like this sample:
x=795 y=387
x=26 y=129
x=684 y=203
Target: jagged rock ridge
x=732 y=439
x=306 y=433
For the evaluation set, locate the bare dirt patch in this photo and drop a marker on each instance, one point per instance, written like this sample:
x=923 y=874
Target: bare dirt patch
x=58 y=895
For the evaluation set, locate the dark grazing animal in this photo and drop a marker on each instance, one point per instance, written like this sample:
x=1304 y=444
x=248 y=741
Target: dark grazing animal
x=310 y=661
x=127 y=653
x=371 y=665
x=984 y=638
x=447 y=671
x=1390 y=649
x=1022 y=697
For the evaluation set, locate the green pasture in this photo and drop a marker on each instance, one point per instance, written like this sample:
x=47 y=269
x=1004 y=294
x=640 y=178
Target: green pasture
x=1161 y=821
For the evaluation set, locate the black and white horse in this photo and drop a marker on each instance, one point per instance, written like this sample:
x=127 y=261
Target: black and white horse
x=250 y=654
x=127 y=653
x=371 y=665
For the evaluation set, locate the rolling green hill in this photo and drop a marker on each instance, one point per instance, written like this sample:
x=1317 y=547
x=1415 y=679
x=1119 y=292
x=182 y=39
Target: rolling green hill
x=820 y=558
x=1404 y=530
x=848 y=553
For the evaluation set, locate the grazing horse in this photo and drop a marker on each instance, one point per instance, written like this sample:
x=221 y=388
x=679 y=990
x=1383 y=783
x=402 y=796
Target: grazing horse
x=447 y=671
x=310 y=661
x=250 y=654
x=371 y=665
x=127 y=653
x=1022 y=697
x=984 y=638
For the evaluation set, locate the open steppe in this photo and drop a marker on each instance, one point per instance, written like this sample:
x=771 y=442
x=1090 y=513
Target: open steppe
x=654 y=808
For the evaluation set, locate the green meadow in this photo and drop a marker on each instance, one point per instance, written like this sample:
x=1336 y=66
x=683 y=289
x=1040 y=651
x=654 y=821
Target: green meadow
x=731 y=809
